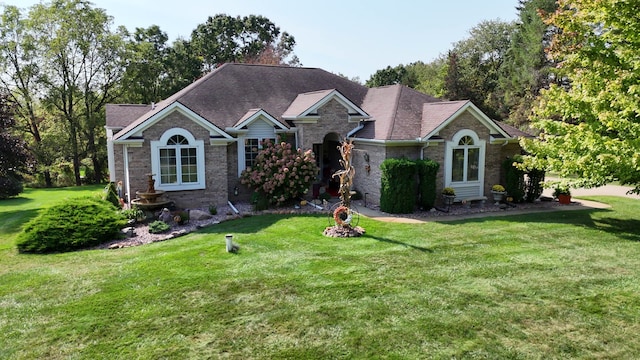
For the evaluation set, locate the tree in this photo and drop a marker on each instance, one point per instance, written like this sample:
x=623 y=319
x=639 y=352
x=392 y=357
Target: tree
x=81 y=68
x=526 y=69
x=392 y=76
x=20 y=62
x=14 y=156
x=478 y=60
x=223 y=38
x=591 y=128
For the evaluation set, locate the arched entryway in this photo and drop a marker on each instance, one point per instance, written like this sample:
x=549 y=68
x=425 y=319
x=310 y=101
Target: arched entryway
x=328 y=157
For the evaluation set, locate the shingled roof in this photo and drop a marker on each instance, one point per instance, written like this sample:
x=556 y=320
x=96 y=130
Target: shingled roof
x=225 y=96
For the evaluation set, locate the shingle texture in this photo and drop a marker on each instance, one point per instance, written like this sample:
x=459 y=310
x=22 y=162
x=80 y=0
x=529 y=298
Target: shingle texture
x=226 y=95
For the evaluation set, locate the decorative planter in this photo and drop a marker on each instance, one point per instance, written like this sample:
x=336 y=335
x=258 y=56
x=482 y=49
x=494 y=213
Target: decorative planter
x=448 y=199
x=564 y=199
x=498 y=196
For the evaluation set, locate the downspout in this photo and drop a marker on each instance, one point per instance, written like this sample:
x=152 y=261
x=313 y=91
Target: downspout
x=426 y=145
x=356 y=129
x=111 y=156
x=125 y=154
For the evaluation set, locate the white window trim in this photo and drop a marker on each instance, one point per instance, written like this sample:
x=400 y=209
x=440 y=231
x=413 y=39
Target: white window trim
x=448 y=159
x=156 y=145
x=241 y=154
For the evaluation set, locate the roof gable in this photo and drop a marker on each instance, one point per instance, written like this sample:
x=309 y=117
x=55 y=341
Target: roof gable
x=306 y=105
x=436 y=116
x=136 y=129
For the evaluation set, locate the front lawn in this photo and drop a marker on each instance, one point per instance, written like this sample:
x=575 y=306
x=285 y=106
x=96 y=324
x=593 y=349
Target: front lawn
x=547 y=285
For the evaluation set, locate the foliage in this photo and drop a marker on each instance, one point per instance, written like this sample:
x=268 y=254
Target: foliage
x=590 y=129
x=392 y=76
x=449 y=191
x=133 y=213
x=14 y=156
x=561 y=189
x=280 y=173
x=398 y=186
x=497 y=188
x=526 y=68
x=158 y=227
x=213 y=210
x=10 y=187
x=474 y=66
x=224 y=38
x=77 y=223
x=427 y=172
x=514 y=180
x=111 y=196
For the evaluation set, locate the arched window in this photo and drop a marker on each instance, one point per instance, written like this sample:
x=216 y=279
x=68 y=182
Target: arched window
x=465 y=160
x=178 y=160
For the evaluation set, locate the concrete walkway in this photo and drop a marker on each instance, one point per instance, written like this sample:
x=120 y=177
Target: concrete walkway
x=579 y=204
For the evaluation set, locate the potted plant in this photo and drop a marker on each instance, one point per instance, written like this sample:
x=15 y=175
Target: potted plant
x=449 y=195
x=563 y=194
x=498 y=193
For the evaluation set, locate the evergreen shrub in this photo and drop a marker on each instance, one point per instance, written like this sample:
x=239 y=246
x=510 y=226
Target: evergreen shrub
x=75 y=224
x=427 y=171
x=398 y=186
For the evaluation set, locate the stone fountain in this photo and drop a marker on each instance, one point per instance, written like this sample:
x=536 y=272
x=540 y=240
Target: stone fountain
x=148 y=200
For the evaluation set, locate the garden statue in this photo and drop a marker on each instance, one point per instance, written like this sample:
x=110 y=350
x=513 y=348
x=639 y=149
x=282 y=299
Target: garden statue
x=343 y=213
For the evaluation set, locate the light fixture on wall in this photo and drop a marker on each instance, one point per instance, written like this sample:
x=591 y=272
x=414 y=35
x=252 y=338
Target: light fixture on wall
x=235 y=190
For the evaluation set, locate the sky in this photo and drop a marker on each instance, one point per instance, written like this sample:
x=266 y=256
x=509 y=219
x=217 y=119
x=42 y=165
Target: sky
x=349 y=37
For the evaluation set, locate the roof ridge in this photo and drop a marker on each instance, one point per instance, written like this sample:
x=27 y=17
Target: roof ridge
x=396 y=102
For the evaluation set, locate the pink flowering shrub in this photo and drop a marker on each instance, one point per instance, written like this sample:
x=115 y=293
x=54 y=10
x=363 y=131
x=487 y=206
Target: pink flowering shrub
x=280 y=173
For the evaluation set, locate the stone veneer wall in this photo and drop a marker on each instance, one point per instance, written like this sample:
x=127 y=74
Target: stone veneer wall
x=216 y=181
x=495 y=154
x=333 y=119
x=370 y=183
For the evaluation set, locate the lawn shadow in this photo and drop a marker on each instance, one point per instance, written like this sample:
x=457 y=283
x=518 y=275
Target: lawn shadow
x=589 y=218
x=396 y=242
x=623 y=228
x=14 y=202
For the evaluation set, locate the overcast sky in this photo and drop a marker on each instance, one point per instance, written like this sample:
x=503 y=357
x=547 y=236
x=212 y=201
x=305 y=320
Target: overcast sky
x=354 y=38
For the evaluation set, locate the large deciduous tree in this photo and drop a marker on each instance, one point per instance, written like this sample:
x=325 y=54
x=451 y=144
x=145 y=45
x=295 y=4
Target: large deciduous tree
x=223 y=38
x=591 y=128
x=81 y=68
x=21 y=64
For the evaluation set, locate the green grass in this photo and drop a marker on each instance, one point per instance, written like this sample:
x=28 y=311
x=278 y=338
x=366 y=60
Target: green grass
x=546 y=285
x=17 y=211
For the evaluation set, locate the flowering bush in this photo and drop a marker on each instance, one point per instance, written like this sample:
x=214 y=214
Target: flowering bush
x=280 y=173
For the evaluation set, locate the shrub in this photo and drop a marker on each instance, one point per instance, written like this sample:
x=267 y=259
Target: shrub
x=10 y=187
x=427 y=172
x=133 y=213
x=158 y=227
x=515 y=184
x=398 y=186
x=75 y=224
x=280 y=173
x=522 y=188
x=213 y=210
x=111 y=195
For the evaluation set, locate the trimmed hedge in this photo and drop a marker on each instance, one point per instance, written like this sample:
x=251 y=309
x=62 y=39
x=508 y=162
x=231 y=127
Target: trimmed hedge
x=77 y=223
x=398 y=186
x=427 y=172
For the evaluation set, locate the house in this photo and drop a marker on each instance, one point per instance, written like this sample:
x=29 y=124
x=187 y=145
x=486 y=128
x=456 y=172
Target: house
x=198 y=141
